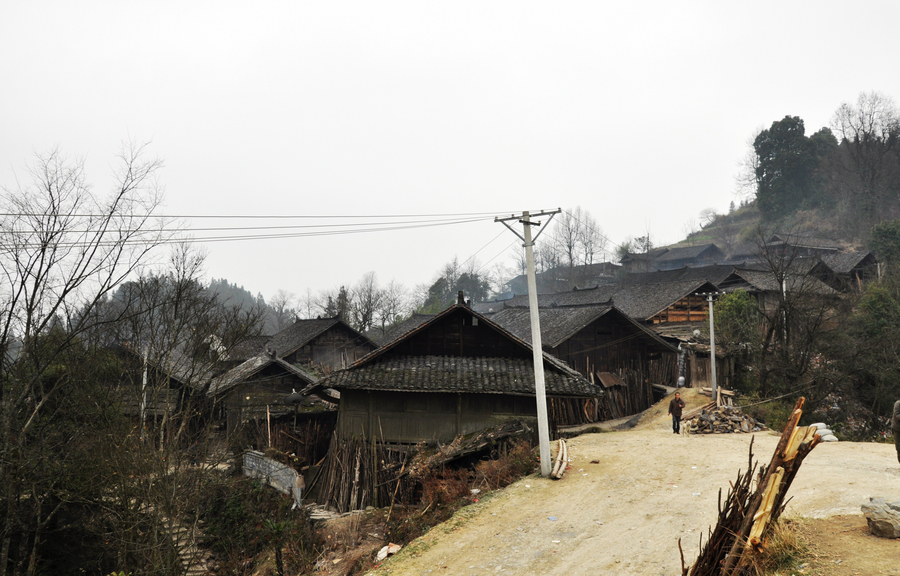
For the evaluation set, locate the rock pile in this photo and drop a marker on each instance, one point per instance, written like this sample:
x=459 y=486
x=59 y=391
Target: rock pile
x=883 y=517
x=723 y=420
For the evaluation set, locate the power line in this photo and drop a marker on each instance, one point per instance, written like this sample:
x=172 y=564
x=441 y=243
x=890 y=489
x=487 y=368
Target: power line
x=141 y=235
x=268 y=216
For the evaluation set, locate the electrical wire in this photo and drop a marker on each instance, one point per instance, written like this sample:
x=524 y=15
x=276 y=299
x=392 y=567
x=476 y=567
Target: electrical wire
x=142 y=237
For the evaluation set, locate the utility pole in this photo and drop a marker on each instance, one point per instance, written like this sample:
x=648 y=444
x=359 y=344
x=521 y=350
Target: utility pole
x=712 y=345
x=537 y=348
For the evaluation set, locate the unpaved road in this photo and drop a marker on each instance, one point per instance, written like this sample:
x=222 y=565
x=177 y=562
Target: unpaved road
x=626 y=514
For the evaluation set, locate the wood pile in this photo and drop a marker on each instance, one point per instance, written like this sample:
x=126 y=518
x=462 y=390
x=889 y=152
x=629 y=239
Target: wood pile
x=721 y=420
x=751 y=508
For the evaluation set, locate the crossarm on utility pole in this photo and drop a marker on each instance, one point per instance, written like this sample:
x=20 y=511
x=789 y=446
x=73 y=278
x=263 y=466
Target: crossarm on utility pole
x=537 y=348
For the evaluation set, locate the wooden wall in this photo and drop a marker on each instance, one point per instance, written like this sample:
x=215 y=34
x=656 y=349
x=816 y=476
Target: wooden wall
x=413 y=417
x=336 y=348
x=459 y=334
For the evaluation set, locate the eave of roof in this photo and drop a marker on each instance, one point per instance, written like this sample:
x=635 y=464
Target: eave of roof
x=458 y=374
x=246 y=370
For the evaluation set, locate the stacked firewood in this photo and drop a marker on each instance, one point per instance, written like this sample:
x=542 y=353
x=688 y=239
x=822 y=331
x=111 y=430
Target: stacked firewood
x=722 y=420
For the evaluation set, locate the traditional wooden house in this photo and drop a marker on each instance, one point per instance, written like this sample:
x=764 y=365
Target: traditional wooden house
x=800 y=244
x=565 y=278
x=155 y=388
x=327 y=343
x=853 y=269
x=641 y=262
x=673 y=309
x=256 y=390
x=680 y=256
x=455 y=374
x=650 y=303
x=608 y=348
x=765 y=286
x=399 y=329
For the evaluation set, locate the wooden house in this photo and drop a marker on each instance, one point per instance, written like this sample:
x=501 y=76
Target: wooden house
x=256 y=390
x=327 y=343
x=608 y=348
x=768 y=291
x=565 y=278
x=666 y=303
x=800 y=244
x=648 y=303
x=455 y=374
x=853 y=269
x=681 y=256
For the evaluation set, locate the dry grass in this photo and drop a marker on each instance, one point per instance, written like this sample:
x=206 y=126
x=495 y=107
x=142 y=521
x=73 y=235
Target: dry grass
x=783 y=551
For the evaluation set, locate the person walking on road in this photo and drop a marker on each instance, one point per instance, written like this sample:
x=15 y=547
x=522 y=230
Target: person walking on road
x=895 y=427
x=676 y=405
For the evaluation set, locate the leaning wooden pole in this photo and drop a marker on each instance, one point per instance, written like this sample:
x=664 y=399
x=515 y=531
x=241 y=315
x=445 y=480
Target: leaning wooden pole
x=748 y=515
x=743 y=533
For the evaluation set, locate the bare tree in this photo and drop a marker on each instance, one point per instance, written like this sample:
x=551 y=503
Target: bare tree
x=285 y=312
x=65 y=250
x=591 y=240
x=308 y=305
x=746 y=181
x=395 y=305
x=366 y=301
x=708 y=216
x=870 y=146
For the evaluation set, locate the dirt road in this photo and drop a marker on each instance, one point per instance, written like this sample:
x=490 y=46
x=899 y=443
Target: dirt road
x=625 y=514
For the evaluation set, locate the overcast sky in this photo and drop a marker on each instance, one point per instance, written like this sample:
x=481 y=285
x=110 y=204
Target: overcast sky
x=637 y=112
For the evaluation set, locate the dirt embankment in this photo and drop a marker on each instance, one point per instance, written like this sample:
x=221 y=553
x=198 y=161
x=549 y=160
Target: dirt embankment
x=625 y=514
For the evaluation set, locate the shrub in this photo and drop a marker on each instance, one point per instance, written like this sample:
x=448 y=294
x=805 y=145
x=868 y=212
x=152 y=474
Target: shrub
x=773 y=413
x=241 y=518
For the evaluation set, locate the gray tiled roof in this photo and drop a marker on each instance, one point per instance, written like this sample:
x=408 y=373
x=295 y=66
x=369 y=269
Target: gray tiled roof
x=765 y=281
x=381 y=370
x=557 y=324
x=643 y=301
x=844 y=263
x=402 y=328
x=248 y=348
x=713 y=273
x=302 y=332
x=253 y=366
x=561 y=323
x=459 y=374
x=639 y=301
x=803 y=240
x=682 y=252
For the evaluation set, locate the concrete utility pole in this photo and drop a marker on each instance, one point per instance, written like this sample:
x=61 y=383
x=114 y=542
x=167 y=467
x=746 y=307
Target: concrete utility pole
x=712 y=345
x=537 y=349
